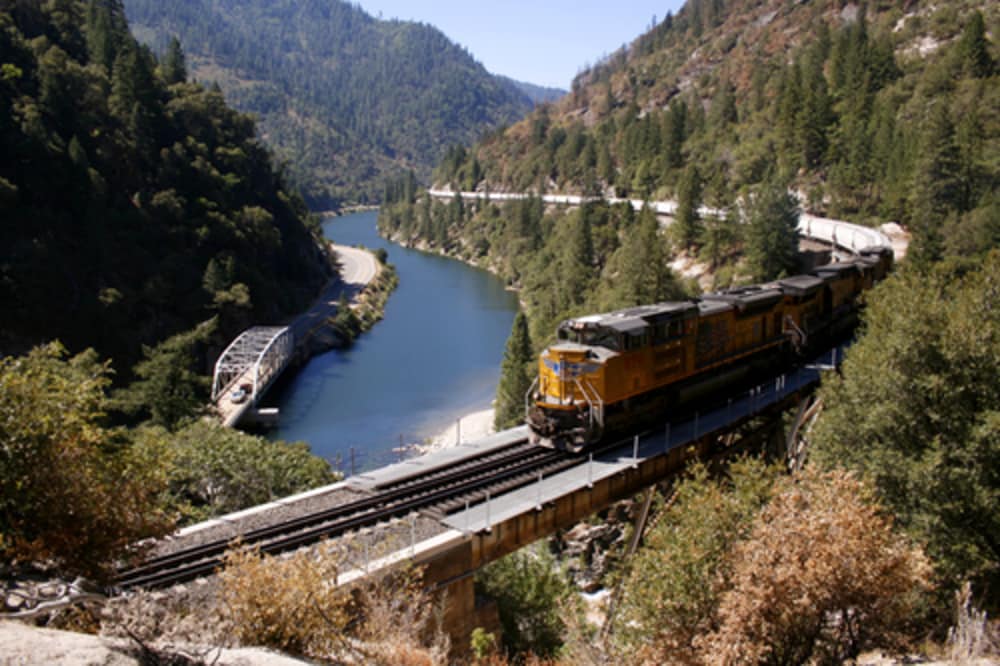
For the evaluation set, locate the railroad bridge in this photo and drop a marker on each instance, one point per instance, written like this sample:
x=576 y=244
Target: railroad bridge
x=463 y=507
x=458 y=509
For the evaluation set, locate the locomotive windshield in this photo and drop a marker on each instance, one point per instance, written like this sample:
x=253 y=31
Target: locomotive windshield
x=598 y=336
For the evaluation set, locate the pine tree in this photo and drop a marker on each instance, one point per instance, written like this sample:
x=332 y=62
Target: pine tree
x=772 y=231
x=724 y=106
x=676 y=131
x=788 y=103
x=687 y=225
x=101 y=40
x=576 y=265
x=973 y=48
x=638 y=272
x=937 y=177
x=527 y=215
x=515 y=375
x=815 y=113
x=937 y=187
x=132 y=81
x=174 y=64
x=605 y=165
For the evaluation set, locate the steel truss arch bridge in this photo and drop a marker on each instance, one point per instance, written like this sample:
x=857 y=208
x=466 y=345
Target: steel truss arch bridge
x=256 y=357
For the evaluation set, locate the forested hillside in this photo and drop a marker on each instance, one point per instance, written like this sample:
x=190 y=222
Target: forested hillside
x=143 y=225
x=884 y=112
x=135 y=205
x=343 y=98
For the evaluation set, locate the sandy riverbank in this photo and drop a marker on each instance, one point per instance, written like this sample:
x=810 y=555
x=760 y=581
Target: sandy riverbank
x=474 y=426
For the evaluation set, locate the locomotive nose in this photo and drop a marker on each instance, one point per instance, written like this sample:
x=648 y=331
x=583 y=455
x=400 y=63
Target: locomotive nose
x=559 y=370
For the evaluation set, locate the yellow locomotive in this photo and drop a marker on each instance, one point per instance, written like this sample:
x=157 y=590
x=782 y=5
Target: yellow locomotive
x=610 y=371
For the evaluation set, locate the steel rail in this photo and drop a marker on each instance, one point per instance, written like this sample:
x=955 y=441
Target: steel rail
x=501 y=474
x=389 y=491
x=514 y=448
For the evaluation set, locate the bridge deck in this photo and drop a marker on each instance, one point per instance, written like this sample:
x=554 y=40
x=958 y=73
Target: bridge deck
x=231 y=413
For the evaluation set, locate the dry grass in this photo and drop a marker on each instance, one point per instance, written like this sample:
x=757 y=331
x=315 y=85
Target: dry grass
x=972 y=638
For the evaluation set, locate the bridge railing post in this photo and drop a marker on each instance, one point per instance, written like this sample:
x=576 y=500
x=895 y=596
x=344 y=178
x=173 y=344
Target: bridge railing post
x=489 y=528
x=413 y=535
x=590 y=471
x=635 y=452
x=538 y=496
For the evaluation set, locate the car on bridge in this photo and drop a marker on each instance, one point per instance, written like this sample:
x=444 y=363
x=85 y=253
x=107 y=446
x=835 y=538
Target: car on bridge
x=238 y=395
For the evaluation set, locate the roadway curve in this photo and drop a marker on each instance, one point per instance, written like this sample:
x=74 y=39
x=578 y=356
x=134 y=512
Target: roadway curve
x=357 y=269
x=848 y=236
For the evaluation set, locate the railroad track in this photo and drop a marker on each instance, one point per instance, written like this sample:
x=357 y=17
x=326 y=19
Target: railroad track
x=451 y=487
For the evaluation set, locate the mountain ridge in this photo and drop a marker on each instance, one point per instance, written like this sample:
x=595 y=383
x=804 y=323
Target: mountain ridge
x=343 y=98
x=835 y=99
x=538 y=94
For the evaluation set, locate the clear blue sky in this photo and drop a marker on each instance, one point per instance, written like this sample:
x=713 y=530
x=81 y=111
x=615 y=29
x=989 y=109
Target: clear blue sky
x=546 y=42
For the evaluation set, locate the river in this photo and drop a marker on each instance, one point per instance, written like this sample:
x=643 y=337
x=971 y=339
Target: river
x=434 y=357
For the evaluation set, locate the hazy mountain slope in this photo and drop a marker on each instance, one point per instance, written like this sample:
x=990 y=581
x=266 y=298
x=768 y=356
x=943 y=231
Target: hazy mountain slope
x=538 y=94
x=342 y=97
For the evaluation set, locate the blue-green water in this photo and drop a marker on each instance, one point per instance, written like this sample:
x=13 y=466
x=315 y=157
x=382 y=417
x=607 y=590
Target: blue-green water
x=433 y=358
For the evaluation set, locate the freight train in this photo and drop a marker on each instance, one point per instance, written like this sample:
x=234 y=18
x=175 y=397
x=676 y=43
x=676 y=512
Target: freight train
x=609 y=373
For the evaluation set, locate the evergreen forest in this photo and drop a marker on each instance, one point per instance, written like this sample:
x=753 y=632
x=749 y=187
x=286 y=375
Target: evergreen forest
x=344 y=99
x=135 y=204
x=873 y=113
x=143 y=225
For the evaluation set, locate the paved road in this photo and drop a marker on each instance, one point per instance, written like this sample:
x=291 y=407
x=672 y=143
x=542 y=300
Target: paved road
x=358 y=268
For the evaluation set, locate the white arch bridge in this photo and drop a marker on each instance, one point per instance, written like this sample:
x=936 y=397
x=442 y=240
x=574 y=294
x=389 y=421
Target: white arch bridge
x=248 y=367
